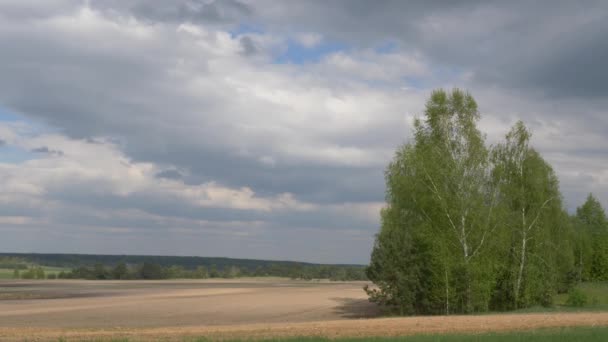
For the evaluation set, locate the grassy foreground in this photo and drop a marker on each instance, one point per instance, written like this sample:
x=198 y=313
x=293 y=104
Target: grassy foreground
x=587 y=334
x=545 y=335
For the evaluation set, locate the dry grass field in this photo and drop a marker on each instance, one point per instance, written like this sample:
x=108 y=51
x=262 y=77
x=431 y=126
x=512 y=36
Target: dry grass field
x=244 y=308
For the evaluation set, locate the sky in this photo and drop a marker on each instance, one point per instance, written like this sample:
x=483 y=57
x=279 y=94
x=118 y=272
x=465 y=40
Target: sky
x=261 y=129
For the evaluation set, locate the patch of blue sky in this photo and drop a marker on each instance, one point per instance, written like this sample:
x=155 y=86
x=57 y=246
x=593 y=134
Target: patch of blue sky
x=13 y=154
x=32 y=127
x=7 y=116
x=296 y=53
x=26 y=127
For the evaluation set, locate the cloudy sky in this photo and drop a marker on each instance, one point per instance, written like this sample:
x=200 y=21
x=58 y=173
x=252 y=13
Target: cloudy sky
x=261 y=129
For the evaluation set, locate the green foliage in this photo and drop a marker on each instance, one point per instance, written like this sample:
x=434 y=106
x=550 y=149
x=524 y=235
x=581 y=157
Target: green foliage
x=599 y=258
x=427 y=257
x=156 y=271
x=595 y=292
x=232 y=272
x=13 y=262
x=576 y=298
x=120 y=271
x=6 y=273
x=532 y=219
x=12 y=266
x=469 y=228
x=592 y=214
x=402 y=268
x=34 y=272
x=150 y=271
x=100 y=272
x=591 y=226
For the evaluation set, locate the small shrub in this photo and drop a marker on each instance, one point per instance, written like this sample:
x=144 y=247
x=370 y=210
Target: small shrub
x=546 y=299
x=576 y=298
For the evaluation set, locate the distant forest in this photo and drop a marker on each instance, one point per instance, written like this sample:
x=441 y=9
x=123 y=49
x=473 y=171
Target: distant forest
x=91 y=266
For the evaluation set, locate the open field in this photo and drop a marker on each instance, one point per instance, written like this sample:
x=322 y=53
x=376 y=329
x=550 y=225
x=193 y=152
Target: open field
x=382 y=327
x=108 y=304
x=260 y=308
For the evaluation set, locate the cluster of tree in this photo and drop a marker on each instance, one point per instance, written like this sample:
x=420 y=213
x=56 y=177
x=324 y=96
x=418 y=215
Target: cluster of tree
x=91 y=266
x=146 y=270
x=33 y=272
x=23 y=269
x=149 y=270
x=246 y=267
x=11 y=262
x=188 y=262
x=591 y=244
x=471 y=228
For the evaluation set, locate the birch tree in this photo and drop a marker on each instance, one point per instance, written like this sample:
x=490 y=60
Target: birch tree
x=453 y=163
x=529 y=189
x=467 y=228
x=439 y=189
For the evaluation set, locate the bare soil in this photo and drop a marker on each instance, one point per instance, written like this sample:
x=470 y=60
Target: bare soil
x=111 y=304
x=171 y=310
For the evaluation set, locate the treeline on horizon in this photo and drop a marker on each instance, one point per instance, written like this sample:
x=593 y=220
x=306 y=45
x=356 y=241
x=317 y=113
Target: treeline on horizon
x=474 y=228
x=89 y=266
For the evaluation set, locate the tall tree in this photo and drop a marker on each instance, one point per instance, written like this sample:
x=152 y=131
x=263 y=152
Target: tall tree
x=454 y=168
x=440 y=195
x=592 y=226
x=529 y=189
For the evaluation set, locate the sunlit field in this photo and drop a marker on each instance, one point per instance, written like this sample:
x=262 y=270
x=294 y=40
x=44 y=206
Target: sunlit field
x=259 y=308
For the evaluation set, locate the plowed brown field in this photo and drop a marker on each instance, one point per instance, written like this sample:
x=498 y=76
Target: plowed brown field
x=167 y=310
